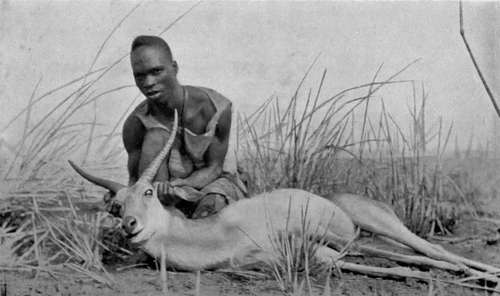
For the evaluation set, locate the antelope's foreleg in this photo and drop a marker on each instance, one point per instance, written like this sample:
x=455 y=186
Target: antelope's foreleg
x=163 y=271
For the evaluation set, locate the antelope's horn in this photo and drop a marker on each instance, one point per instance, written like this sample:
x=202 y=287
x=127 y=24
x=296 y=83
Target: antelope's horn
x=110 y=185
x=150 y=172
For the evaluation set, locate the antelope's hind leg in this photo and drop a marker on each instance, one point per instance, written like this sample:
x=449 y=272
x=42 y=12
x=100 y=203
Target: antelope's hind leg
x=380 y=219
x=330 y=257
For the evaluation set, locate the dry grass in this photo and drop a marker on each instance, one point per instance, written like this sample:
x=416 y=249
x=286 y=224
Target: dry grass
x=41 y=227
x=295 y=255
x=323 y=148
x=316 y=147
x=314 y=141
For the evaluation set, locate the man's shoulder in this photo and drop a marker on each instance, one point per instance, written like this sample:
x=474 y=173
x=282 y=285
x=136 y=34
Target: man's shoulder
x=142 y=108
x=209 y=98
x=138 y=111
x=201 y=92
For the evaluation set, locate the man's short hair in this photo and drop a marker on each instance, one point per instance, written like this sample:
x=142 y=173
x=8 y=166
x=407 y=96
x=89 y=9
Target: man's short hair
x=145 y=40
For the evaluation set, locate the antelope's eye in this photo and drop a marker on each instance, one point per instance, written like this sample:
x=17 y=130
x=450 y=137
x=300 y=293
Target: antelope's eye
x=148 y=192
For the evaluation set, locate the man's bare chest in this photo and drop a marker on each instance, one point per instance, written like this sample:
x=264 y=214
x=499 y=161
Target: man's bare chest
x=192 y=119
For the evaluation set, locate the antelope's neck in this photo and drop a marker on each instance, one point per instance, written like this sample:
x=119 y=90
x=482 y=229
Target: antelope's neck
x=197 y=244
x=196 y=231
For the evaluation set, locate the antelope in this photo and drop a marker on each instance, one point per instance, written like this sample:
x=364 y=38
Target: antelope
x=240 y=233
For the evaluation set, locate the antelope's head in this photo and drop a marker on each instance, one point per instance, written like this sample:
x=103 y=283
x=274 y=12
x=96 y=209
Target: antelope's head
x=142 y=212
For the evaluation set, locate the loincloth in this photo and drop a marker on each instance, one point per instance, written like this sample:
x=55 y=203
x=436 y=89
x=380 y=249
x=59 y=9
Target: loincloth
x=226 y=187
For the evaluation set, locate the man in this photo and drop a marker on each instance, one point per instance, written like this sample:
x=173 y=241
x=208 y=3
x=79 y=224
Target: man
x=192 y=178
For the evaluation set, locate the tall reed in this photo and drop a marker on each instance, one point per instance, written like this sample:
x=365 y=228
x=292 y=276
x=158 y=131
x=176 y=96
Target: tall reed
x=322 y=146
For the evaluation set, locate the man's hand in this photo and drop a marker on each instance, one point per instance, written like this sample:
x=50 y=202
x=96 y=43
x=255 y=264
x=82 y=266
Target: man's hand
x=179 y=183
x=170 y=193
x=167 y=193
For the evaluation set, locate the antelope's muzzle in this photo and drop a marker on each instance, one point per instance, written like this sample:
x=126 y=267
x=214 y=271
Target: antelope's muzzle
x=129 y=224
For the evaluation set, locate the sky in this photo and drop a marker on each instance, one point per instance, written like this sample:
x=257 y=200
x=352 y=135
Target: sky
x=250 y=51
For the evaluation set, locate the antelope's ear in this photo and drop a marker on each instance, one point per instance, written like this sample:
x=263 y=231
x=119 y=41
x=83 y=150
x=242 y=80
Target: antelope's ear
x=120 y=196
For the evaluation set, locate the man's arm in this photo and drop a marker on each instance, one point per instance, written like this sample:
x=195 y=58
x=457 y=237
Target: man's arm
x=133 y=135
x=214 y=156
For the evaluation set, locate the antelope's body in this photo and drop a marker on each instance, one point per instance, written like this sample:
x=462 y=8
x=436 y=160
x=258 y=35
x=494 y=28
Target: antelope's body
x=242 y=232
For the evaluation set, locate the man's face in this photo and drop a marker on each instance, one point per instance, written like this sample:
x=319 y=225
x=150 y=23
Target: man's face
x=154 y=72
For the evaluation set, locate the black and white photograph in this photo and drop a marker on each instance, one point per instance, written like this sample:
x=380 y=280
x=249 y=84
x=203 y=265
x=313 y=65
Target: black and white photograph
x=294 y=148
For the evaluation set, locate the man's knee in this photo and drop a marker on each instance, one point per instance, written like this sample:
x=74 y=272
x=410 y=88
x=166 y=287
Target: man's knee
x=209 y=205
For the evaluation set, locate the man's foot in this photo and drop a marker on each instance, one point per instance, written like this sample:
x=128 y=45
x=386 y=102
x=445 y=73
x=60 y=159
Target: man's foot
x=209 y=205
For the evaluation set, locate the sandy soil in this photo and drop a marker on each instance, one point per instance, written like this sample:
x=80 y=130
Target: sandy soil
x=146 y=282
